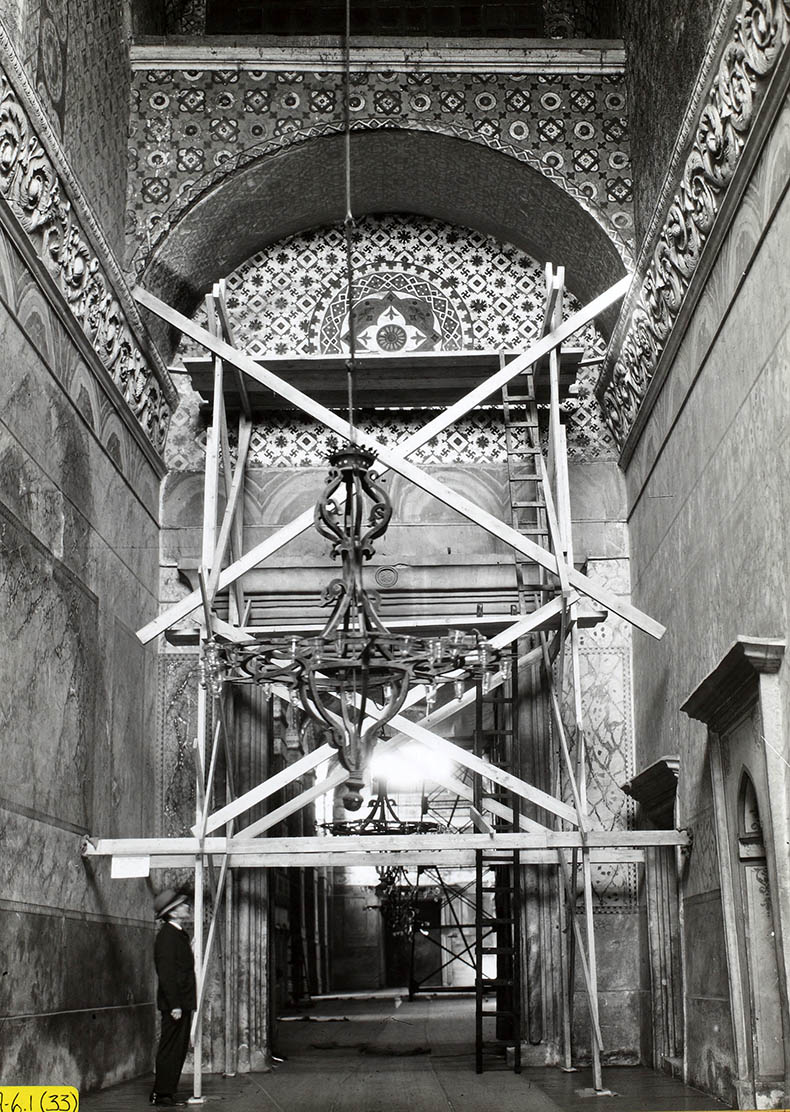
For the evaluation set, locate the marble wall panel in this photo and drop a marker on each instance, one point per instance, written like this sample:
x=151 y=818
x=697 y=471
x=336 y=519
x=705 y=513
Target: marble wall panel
x=621 y=997
x=49 y=623
x=130 y=743
x=711 y=1058
x=56 y=961
x=79 y=569
x=706 y=966
x=90 y=1049
x=709 y=527
x=742 y=247
x=107 y=964
x=27 y=985
x=710 y=530
x=34 y=340
x=42 y=867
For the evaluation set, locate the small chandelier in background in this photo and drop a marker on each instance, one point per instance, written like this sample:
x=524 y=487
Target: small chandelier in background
x=354 y=676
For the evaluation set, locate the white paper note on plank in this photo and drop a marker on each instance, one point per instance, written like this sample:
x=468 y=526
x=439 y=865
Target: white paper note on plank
x=124 y=867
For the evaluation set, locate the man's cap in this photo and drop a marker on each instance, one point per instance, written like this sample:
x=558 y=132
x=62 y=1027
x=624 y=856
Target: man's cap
x=167 y=900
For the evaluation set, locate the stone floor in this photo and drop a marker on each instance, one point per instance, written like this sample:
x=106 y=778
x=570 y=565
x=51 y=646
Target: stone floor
x=384 y=1054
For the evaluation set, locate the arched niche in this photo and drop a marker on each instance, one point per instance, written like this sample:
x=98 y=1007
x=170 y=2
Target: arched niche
x=393 y=170
x=751 y=845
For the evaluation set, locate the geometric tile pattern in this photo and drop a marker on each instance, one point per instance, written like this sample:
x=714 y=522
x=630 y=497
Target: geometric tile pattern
x=191 y=128
x=482 y=294
x=97 y=108
x=487 y=294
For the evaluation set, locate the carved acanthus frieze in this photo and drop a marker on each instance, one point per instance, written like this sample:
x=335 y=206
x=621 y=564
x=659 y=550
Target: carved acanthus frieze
x=36 y=194
x=760 y=32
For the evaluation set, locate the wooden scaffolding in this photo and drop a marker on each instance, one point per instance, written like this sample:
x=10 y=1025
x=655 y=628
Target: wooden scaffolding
x=566 y=602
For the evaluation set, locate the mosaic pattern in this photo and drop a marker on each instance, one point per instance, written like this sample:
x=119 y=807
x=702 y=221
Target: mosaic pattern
x=185 y=17
x=76 y=55
x=51 y=61
x=605 y=681
x=191 y=128
x=605 y=684
x=479 y=294
x=96 y=108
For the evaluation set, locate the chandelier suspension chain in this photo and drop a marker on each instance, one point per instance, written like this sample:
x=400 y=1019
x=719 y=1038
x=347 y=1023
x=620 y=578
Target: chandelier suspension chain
x=354 y=676
x=348 y=223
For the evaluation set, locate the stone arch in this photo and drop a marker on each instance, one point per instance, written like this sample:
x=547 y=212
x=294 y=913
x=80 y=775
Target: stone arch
x=425 y=173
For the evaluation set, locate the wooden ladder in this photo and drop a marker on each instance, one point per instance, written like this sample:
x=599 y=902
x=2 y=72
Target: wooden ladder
x=498 y=889
x=525 y=485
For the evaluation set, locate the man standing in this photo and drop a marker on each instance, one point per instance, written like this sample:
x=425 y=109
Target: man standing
x=176 y=996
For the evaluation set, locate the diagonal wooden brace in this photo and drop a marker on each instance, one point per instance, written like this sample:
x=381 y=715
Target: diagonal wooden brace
x=395 y=459
x=311 y=761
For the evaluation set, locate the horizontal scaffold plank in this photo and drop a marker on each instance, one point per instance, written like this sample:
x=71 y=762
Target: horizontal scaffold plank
x=396 y=458
x=385 y=843
x=448 y=859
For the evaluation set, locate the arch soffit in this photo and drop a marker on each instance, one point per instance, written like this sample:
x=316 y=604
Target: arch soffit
x=429 y=174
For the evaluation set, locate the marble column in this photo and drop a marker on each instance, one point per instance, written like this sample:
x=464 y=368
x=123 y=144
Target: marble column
x=251 y=1043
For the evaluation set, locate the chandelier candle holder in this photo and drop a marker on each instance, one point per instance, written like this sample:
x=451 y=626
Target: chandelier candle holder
x=354 y=676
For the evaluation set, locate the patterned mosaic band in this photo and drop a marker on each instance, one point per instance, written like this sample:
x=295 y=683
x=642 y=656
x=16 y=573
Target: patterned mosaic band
x=192 y=128
x=759 y=34
x=43 y=195
x=420 y=285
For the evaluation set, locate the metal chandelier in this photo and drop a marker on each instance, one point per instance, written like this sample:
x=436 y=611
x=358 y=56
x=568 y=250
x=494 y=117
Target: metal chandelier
x=353 y=678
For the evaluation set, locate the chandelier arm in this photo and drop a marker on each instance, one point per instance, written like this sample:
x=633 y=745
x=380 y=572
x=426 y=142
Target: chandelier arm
x=315 y=706
x=380 y=512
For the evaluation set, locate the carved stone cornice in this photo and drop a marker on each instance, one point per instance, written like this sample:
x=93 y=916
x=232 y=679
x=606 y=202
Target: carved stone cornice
x=47 y=201
x=655 y=789
x=733 y=682
x=748 y=60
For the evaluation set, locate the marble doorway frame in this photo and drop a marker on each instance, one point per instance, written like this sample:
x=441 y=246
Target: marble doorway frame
x=746 y=683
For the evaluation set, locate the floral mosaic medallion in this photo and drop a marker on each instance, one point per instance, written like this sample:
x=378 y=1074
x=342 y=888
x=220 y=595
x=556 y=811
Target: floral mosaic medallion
x=395 y=312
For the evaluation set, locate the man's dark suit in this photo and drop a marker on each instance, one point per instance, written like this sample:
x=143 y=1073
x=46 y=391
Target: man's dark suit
x=175 y=968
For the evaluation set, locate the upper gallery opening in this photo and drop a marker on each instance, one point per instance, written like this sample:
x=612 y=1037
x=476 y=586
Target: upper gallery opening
x=530 y=19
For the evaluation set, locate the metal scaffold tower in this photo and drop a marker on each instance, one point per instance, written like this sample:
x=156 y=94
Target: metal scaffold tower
x=514 y=820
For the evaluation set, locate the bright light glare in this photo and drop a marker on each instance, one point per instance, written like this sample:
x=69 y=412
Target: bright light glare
x=406 y=768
